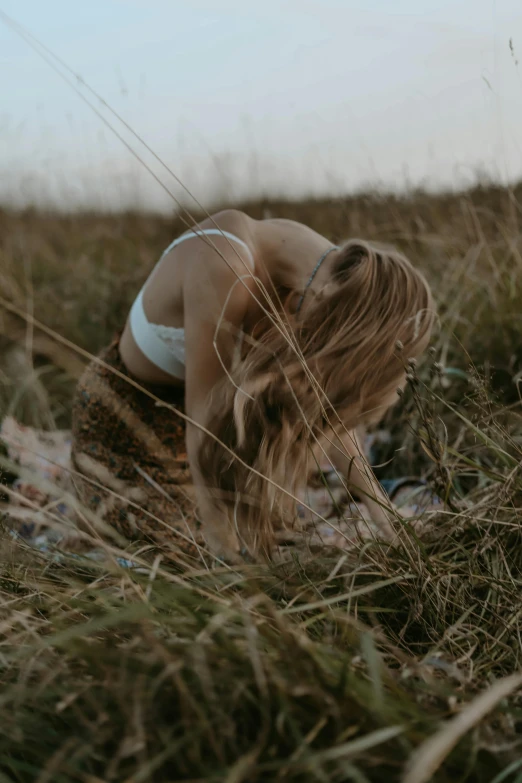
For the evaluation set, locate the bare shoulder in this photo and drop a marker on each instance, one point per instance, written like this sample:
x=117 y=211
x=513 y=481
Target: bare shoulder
x=213 y=246
x=233 y=220
x=256 y=232
x=220 y=269
x=253 y=231
x=292 y=228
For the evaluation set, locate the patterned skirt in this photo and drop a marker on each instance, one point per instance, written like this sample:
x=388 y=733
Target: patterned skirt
x=130 y=458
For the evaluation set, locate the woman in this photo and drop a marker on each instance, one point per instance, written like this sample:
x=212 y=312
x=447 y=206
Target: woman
x=275 y=346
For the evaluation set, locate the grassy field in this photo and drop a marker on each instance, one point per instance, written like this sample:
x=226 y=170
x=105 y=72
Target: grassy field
x=379 y=664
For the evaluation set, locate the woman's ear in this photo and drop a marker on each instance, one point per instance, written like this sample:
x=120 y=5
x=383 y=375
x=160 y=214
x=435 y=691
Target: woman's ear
x=291 y=302
x=327 y=289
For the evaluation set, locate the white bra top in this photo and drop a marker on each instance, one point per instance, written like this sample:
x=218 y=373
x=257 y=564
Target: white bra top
x=163 y=345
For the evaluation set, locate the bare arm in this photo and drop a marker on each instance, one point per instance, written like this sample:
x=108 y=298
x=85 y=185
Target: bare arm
x=213 y=293
x=348 y=457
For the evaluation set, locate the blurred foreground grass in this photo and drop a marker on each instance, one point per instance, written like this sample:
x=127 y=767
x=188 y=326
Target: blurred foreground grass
x=340 y=666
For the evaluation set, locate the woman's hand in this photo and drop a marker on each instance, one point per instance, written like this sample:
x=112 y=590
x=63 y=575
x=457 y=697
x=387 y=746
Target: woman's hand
x=348 y=457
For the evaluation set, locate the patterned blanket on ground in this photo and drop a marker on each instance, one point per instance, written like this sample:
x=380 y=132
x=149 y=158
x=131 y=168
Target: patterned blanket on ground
x=39 y=504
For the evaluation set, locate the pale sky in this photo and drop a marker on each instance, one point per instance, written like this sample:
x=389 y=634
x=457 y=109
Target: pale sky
x=244 y=98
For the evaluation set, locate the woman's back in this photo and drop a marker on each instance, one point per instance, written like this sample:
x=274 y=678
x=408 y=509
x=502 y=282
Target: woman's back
x=278 y=252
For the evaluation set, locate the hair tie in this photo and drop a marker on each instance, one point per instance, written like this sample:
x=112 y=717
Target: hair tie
x=316 y=269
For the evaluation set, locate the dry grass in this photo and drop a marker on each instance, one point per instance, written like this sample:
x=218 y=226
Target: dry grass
x=332 y=668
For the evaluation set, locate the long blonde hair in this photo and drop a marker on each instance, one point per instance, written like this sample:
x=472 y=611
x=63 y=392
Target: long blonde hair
x=343 y=359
